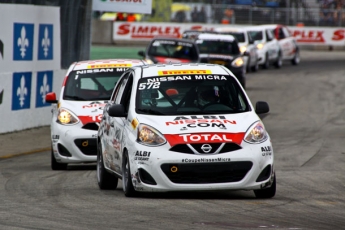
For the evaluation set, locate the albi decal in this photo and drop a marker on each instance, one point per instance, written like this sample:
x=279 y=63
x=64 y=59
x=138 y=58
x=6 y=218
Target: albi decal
x=142 y=155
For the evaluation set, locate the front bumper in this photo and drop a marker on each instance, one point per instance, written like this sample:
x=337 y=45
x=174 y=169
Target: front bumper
x=157 y=169
x=73 y=144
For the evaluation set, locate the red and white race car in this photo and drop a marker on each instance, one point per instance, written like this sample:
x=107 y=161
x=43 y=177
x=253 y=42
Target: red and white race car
x=287 y=42
x=184 y=127
x=78 y=110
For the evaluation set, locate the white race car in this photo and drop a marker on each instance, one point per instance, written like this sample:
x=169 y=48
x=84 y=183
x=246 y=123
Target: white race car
x=78 y=110
x=184 y=127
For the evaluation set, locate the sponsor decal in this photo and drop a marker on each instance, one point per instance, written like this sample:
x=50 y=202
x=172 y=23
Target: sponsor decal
x=100 y=70
x=90 y=119
x=94 y=104
x=134 y=123
x=45 y=42
x=113 y=65
x=266 y=151
x=44 y=85
x=148 y=31
x=179 y=72
x=193 y=138
x=23 y=37
x=311 y=36
x=206 y=160
x=186 y=77
x=142 y=155
x=201 y=121
x=21 y=90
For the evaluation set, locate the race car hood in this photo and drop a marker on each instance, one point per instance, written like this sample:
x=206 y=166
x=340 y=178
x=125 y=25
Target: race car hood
x=86 y=111
x=202 y=128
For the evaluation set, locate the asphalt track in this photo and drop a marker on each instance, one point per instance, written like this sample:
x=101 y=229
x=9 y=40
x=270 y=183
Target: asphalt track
x=306 y=123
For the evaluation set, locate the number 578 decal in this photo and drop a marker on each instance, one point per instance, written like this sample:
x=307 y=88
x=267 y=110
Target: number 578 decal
x=151 y=85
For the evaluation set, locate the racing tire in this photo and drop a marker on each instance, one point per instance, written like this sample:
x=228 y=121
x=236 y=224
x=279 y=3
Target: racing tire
x=279 y=62
x=267 y=192
x=296 y=59
x=266 y=65
x=105 y=180
x=56 y=165
x=127 y=185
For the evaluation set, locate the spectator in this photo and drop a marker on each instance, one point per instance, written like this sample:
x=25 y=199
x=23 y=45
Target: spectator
x=120 y=17
x=194 y=15
x=339 y=14
x=131 y=18
x=180 y=16
x=228 y=17
x=326 y=16
x=201 y=17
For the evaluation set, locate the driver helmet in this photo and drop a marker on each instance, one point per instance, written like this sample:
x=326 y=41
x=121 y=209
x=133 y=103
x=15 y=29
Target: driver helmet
x=207 y=94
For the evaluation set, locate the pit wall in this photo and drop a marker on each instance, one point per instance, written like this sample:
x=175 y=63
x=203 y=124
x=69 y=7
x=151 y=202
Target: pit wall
x=30 y=64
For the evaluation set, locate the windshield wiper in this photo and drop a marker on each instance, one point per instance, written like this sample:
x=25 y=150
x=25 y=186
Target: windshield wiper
x=151 y=111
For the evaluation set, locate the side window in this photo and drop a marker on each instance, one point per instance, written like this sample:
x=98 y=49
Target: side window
x=116 y=97
x=281 y=33
x=269 y=35
x=126 y=94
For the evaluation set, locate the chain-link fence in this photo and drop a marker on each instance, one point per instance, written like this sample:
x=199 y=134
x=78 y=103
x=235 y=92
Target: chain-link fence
x=75 y=19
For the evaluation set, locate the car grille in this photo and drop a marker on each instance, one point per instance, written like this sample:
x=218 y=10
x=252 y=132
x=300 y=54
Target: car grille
x=206 y=173
x=87 y=146
x=197 y=148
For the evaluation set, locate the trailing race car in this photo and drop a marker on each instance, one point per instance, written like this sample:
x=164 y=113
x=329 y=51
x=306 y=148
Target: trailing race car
x=78 y=110
x=223 y=50
x=184 y=127
x=170 y=50
x=287 y=43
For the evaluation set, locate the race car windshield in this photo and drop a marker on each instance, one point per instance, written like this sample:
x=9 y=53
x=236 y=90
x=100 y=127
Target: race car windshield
x=239 y=36
x=91 y=84
x=218 y=47
x=256 y=35
x=173 y=49
x=190 y=94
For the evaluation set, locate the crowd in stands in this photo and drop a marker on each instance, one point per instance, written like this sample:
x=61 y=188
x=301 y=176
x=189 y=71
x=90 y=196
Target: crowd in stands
x=332 y=12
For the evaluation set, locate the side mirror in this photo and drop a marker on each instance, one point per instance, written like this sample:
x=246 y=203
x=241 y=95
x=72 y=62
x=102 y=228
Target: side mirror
x=141 y=53
x=51 y=98
x=117 y=110
x=261 y=107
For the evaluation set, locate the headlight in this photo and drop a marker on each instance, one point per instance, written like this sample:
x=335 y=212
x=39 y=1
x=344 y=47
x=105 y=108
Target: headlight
x=238 y=62
x=66 y=117
x=256 y=134
x=149 y=136
x=260 y=46
x=149 y=61
x=243 y=49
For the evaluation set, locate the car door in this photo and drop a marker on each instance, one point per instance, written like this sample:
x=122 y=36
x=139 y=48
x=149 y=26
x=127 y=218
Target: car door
x=112 y=132
x=272 y=43
x=118 y=124
x=286 y=42
x=251 y=49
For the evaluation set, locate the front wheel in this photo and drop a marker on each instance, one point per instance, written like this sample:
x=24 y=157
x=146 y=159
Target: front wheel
x=56 y=165
x=105 y=180
x=127 y=185
x=296 y=59
x=266 y=65
x=279 y=61
x=267 y=192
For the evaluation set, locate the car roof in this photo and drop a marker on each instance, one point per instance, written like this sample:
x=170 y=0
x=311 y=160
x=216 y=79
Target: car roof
x=107 y=63
x=230 y=29
x=181 y=69
x=171 y=39
x=222 y=37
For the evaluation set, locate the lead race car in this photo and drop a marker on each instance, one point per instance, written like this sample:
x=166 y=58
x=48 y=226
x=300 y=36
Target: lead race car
x=78 y=110
x=184 y=127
